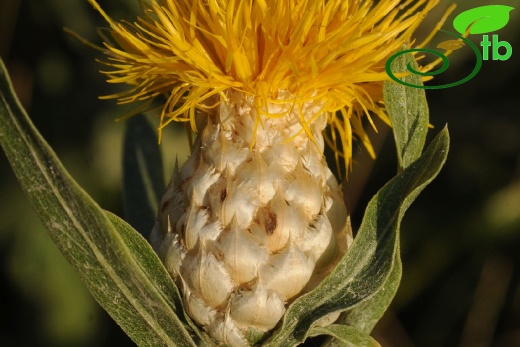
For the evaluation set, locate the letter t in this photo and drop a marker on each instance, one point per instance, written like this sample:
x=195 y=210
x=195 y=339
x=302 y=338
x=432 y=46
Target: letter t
x=485 y=45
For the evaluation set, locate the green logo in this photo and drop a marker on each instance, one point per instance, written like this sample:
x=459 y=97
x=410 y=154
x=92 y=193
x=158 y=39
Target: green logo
x=479 y=20
x=482 y=20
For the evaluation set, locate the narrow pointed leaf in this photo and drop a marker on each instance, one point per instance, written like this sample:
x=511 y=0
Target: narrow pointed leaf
x=406 y=107
x=408 y=112
x=370 y=262
x=143 y=178
x=123 y=278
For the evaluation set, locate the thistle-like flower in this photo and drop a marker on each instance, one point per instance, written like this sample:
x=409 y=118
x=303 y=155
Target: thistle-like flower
x=255 y=217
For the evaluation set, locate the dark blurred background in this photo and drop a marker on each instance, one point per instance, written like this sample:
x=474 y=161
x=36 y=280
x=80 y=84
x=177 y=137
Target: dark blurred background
x=460 y=239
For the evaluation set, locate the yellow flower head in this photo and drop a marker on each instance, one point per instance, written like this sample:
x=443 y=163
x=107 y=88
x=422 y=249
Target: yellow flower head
x=330 y=52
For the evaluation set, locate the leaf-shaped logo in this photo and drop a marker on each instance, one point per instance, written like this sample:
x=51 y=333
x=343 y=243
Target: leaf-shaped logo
x=483 y=19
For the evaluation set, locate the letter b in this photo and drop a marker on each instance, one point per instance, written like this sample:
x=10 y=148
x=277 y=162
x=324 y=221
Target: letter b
x=497 y=44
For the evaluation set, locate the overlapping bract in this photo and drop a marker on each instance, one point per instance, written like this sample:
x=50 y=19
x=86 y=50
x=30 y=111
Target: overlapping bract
x=245 y=231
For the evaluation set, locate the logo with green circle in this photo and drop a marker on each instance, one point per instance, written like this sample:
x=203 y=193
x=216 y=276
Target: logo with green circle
x=477 y=21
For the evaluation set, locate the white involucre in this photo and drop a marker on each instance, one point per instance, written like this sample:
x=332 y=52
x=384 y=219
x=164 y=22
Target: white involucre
x=244 y=229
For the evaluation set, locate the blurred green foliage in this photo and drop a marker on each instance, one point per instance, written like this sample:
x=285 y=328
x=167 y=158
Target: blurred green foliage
x=461 y=238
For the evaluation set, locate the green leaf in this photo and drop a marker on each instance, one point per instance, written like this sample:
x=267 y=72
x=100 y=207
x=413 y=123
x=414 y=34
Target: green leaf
x=408 y=112
x=483 y=19
x=406 y=107
x=365 y=316
x=142 y=251
x=372 y=261
x=143 y=178
x=344 y=335
x=117 y=265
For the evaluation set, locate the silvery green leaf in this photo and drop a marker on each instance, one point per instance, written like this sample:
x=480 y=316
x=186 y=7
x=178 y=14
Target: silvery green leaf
x=408 y=112
x=365 y=316
x=116 y=264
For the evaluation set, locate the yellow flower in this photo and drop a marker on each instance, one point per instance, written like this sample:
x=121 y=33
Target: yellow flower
x=255 y=217
x=332 y=53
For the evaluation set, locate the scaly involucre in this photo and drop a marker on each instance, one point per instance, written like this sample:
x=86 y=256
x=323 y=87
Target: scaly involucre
x=255 y=217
